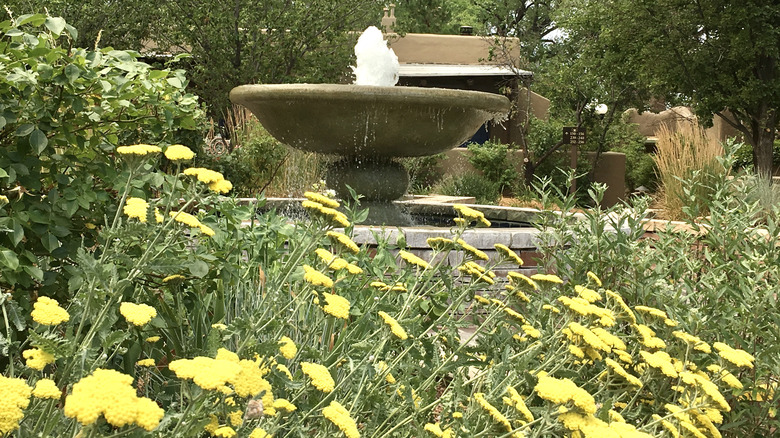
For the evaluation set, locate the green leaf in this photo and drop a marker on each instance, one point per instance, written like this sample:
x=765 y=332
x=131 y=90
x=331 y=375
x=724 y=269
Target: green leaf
x=15 y=315
x=18 y=233
x=199 y=268
x=72 y=72
x=2 y=122
x=38 y=140
x=3 y=173
x=24 y=130
x=9 y=259
x=55 y=25
x=50 y=242
x=176 y=82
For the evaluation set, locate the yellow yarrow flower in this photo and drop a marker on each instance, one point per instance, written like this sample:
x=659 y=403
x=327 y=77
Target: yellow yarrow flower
x=517 y=402
x=435 y=429
x=740 y=358
x=440 y=243
x=174 y=277
x=37 y=359
x=550 y=278
x=562 y=391
x=472 y=250
x=137 y=314
x=594 y=278
x=319 y=375
x=138 y=150
x=284 y=405
x=146 y=363
x=336 y=305
x=287 y=347
x=15 y=398
x=495 y=413
x=413 y=259
x=225 y=432
x=178 y=152
x=259 y=433
x=47 y=311
x=659 y=360
x=316 y=278
x=343 y=240
x=508 y=254
x=471 y=214
x=110 y=393
x=395 y=327
x=321 y=199
x=518 y=278
x=339 y=415
x=588 y=295
x=46 y=388
x=185 y=218
x=136 y=208
x=692 y=340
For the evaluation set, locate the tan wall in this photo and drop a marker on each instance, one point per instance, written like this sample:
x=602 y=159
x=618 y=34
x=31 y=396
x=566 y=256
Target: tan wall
x=424 y=48
x=610 y=170
x=649 y=122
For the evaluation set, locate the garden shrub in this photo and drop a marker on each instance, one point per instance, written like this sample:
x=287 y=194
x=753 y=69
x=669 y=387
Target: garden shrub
x=495 y=161
x=718 y=277
x=226 y=323
x=483 y=189
x=63 y=111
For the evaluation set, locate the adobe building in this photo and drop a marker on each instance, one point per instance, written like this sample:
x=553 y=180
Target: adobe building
x=460 y=62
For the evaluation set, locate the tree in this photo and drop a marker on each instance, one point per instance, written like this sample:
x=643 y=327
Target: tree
x=274 y=41
x=719 y=56
x=425 y=16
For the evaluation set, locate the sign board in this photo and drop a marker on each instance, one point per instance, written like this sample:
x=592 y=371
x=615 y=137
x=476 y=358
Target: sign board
x=574 y=136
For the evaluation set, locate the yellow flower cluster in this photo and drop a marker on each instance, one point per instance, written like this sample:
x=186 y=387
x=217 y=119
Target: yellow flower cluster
x=146 y=363
x=476 y=253
x=335 y=217
x=549 y=278
x=339 y=415
x=319 y=375
x=111 y=394
x=178 y=152
x=435 y=429
x=174 y=277
x=440 y=243
x=619 y=370
x=589 y=426
x=138 y=150
x=47 y=311
x=316 y=278
x=37 y=359
x=46 y=388
x=136 y=208
x=477 y=272
x=588 y=295
x=336 y=305
x=648 y=338
x=495 y=413
x=259 y=433
x=137 y=314
x=508 y=254
x=215 y=180
x=661 y=361
x=622 y=304
x=287 y=347
x=581 y=306
x=413 y=259
x=15 y=398
x=395 y=327
x=593 y=277
x=516 y=278
x=694 y=341
x=191 y=221
x=740 y=358
x=516 y=401
x=321 y=199
x=284 y=405
x=471 y=214
x=208 y=373
x=225 y=432
x=344 y=241
x=382 y=368
x=562 y=391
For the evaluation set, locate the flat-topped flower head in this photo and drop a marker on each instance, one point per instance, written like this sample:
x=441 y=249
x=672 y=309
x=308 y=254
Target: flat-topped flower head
x=479 y=254
x=339 y=415
x=37 y=359
x=589 y=295
x=47 y=311
x=413 y=259
x=563 y=391
x=215 y=180
x=319 y=375
x=178 y=152
x=138 y=150
x=740 y=358
x=508 y=254
x=321 y=199
x=137 y=314
x=46 y=388
x=343 y=241
x=549 y=278
x=336 y=305
x=16 y=398
x=594 y=278
x=136 y=208
x=471 y=215
x=395 y=327
x=287 y=347
x=111 y=394
x=316 y=278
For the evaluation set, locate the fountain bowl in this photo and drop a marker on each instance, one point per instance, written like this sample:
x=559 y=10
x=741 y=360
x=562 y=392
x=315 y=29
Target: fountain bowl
x=370 y=121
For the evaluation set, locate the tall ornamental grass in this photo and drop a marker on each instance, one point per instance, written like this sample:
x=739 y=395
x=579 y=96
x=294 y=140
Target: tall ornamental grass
x=685 y=155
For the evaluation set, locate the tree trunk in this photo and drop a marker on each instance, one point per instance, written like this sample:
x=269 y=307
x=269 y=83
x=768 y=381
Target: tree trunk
x=763 y=146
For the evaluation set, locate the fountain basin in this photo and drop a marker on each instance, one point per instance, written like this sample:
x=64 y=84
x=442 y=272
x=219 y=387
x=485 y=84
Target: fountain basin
x=370 y=121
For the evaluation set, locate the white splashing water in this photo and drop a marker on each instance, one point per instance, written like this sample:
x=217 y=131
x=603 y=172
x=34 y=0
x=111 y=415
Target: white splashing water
x=377 y=64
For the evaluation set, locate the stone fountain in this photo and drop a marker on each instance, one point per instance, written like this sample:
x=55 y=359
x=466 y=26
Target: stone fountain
x=369 y=126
